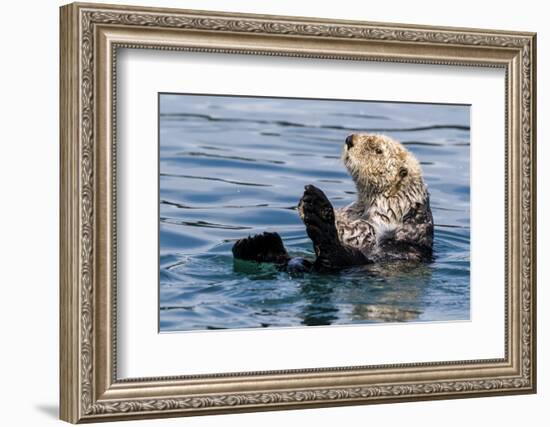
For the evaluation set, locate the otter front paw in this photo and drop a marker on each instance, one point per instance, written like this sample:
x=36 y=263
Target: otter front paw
x=318 y=215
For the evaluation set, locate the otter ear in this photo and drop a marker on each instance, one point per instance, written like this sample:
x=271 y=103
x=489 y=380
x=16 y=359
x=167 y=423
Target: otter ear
x=403 y=172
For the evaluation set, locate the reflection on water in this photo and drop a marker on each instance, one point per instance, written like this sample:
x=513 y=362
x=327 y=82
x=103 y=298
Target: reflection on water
x=234 y=166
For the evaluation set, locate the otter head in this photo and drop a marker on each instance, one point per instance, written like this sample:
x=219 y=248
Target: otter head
x=382 y=168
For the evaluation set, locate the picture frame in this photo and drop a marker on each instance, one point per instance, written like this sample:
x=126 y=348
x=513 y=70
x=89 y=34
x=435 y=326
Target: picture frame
x=91 y=37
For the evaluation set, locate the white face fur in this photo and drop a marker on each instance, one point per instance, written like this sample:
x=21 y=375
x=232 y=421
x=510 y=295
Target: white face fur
x=380 y=165
x=386 y=174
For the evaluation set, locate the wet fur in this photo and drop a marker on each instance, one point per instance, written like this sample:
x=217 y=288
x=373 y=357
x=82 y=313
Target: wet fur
x=390 y=220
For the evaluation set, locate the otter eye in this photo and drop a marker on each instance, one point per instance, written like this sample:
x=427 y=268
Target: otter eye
x=378 y=151
x=403 y=172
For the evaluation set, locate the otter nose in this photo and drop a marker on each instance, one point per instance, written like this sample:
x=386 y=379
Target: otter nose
x=349 y=141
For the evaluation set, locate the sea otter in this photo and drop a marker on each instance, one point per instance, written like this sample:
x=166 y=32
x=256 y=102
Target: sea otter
x=390 y=220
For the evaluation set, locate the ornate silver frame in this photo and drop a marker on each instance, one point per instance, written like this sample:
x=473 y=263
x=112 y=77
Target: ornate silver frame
x=90 y=36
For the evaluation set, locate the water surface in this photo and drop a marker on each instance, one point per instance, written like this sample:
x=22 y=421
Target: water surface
x=236 y=166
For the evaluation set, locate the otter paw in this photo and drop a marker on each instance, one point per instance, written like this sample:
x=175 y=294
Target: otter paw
x=314 y=201
x=266 y=247
x=318 y=216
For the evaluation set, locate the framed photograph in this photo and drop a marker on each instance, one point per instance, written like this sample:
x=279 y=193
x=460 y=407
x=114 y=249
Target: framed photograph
x=267 y=212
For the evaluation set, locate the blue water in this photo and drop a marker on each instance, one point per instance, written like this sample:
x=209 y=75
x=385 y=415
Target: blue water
x=236 y=166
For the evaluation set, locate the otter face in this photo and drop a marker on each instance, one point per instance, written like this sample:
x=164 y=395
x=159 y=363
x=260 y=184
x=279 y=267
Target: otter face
x=381 y=165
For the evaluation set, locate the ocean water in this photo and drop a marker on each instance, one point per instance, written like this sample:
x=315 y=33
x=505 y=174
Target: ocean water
x=236 y=166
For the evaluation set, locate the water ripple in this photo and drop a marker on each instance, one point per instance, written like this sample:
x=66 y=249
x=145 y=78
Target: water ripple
x=203 y=224
x=211 y=178
x=258 y=205
x=218 y=156
x=286 y=123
